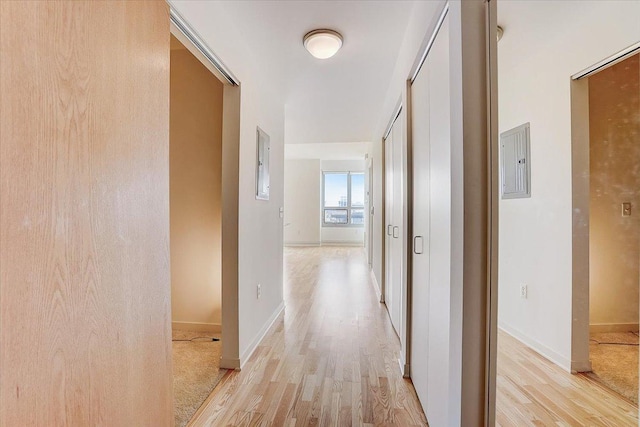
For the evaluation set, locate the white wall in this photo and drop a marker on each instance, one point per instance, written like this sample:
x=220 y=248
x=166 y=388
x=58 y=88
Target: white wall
x=302 y=187
x=543 y=45
x=303 y=203
x=260 y=240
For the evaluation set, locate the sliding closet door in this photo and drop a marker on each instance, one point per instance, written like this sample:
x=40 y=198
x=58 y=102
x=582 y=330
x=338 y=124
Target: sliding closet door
x=397 y=245
x=421 y=213
x=431 y=291
x=388 y=209
x=85 y=332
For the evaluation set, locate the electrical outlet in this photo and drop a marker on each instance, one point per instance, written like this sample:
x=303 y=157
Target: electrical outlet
x=259 y=290
x=523 y=291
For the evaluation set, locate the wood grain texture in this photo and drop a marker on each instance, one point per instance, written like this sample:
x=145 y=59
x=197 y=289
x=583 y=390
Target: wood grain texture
x=331 y=359
x=533 y=391
x=85 y=334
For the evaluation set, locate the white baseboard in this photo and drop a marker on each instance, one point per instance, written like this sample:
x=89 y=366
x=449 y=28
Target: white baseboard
x=342 y=243
x=230 y=363
x=197 y=327
x=540 y=348
x=405 y=369
x=260 y=336
x=595 y=328
x=302 y=244
x=376 y=286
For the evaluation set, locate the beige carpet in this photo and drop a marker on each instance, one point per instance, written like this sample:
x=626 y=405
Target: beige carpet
x=196 y=371
x=616 y=366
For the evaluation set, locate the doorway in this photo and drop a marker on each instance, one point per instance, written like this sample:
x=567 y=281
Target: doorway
x=195 y=183
x=546 y=244
x=614 y=225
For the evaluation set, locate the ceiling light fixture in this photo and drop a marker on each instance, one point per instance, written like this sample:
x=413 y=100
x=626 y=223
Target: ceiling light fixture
x=322 y=44
x=500 y=32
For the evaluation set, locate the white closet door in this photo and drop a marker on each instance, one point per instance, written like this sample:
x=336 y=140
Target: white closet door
x=421 y=212
x=439 y=230
x=388 y=206
x=398 y=228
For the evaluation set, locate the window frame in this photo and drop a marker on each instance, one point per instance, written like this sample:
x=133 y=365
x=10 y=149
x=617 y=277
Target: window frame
x=349 y=207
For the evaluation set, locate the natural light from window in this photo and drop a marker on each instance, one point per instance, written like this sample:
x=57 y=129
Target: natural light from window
x=343 y=199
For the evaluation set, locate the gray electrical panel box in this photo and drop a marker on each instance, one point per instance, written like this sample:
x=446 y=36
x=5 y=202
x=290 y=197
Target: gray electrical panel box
x=515 y=163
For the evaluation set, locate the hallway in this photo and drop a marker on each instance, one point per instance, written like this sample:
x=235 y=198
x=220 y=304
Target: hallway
x=330 y=359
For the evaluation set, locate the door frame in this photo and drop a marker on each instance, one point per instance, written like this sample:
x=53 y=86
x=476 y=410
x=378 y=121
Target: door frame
x=580 y=192
x=370 y=204
x=181 y=30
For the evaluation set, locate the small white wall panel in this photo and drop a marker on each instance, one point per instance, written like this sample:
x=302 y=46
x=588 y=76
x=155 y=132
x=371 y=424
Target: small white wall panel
x=515 y=164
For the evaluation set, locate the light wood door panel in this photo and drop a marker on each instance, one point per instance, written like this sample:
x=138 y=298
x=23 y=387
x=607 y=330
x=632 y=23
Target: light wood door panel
x=84 y=214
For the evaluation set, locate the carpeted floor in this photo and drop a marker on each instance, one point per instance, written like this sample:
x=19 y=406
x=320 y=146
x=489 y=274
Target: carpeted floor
x=616 y=365
x=196 y=371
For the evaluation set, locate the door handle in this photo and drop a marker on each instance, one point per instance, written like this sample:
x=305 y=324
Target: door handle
x=396 y=232
x=418 y=245
x=389 y=229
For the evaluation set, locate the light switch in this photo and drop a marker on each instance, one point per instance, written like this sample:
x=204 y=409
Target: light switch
x=281 y=212
x=626 y=209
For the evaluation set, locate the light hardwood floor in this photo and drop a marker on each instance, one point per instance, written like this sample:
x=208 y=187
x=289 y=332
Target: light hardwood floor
x=331 y=359
x=534 y=391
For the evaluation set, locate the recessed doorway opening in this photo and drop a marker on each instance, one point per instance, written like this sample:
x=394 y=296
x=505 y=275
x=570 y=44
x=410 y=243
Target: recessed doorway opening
x=203 y=183
x=611 y=101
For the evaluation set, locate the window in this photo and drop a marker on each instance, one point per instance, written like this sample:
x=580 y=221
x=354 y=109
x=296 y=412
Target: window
x=343 y=199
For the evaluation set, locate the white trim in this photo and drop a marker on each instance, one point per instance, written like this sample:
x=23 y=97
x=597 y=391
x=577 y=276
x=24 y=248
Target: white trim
x=608 y=62
x=404 y=369
x=394 y=117
x=230 y=363
x=302 y=244
x=357 y=244
x=260 y=336
x=374 y=280
x=183 y=27
x=612 y=327
x=197 y=326
x=538 y=347
x=415 y=70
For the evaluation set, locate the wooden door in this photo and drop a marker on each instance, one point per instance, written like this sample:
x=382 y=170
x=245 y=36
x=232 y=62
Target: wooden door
x=85 y=334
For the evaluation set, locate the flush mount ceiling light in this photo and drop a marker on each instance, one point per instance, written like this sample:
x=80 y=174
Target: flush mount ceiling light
x=322 y=44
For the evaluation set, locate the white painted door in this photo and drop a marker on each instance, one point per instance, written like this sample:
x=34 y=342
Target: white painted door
x=397 y=245
x=431 y=291
x=421 y=211
x=388 y=207
x=371 y=213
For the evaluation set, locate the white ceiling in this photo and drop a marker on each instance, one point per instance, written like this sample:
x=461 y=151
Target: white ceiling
x=335 y=100
x=327 y=151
